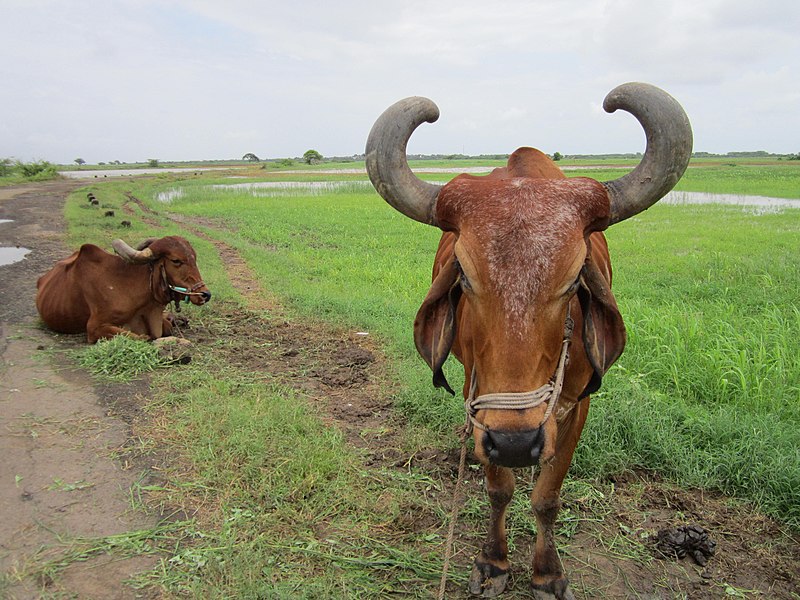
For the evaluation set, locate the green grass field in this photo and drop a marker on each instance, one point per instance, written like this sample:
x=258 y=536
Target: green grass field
x=707 y=393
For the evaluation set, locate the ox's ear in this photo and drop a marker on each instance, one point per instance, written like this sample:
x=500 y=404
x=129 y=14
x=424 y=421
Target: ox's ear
x=435 y=325
x=603 y=329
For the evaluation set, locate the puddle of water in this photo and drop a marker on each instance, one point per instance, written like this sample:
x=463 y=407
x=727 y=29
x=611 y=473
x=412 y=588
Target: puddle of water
x=263 y=189
x=737 y=199
x=168 y=196
x=6 y=221
x=11 y=255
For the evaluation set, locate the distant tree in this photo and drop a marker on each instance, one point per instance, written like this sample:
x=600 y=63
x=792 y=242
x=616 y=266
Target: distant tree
x=312 y=156
x=557 y=156
x=79 y=161
x=252 y=157
x=152 y=162
x=286 y=162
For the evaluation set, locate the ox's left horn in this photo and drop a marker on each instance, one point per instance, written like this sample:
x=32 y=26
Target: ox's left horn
x=131 y=255
x=387 y=164
x=669 y=147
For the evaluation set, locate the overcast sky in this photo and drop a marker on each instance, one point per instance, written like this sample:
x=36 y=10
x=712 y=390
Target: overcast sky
x=212 y=79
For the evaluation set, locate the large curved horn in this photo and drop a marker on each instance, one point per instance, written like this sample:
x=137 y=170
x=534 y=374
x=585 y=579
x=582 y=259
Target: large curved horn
x=669 y=147
x=387 y=165
x=131 y=255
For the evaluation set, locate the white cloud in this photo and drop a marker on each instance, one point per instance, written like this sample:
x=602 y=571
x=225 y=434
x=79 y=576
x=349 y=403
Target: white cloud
x=205 y=79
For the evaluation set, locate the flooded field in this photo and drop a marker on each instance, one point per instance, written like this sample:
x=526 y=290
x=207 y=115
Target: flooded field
x=758 y=204
x=270 y=189
x=735 y=199
x=101 y=173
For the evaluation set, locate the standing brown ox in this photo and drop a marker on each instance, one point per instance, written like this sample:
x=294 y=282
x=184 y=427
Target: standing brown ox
x=105 y=295
x=521 y=296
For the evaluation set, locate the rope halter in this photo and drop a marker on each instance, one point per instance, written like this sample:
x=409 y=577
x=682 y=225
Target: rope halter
x=176 y=289
x=187 y=291
x=549 y=392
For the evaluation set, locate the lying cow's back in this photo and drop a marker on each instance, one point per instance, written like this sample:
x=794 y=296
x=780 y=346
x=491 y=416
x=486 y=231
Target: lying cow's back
x=61 y=296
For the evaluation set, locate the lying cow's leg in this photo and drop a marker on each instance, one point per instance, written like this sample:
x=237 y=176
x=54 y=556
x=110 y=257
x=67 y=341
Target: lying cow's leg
x=549 y=581
x=99 y=331
x=153 y=322
x=166 y=326
x=490 y=570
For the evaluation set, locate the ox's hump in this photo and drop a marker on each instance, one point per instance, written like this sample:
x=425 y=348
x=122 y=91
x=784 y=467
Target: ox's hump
x=530 y=162
x=90 y=252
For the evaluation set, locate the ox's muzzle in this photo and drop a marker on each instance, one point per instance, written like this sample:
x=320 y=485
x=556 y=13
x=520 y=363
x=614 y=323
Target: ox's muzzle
x=192 y=294
x=513 y=448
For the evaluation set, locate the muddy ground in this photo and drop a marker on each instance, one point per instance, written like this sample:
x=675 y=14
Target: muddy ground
x=65 y=472
x=60 y=478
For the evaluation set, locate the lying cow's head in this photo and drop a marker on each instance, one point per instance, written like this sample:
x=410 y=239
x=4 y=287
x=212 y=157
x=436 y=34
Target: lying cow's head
x=522 y=252
x=174 y=262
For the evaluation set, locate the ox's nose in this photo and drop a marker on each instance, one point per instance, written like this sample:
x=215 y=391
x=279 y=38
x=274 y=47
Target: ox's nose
x=514 y=448
x=206 y=296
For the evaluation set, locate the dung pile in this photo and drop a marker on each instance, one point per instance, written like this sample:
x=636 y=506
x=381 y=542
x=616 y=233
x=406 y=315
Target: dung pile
x=687 y=539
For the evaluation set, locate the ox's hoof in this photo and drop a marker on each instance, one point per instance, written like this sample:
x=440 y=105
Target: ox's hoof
x=557 y=590
x=177 y=320
x=487 y=580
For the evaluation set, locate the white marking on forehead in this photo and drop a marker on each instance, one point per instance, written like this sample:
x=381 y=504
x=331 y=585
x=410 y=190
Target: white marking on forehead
x=522 y=234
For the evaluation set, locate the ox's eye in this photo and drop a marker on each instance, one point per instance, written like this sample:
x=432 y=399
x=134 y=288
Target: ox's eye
x=462 y=277
x=573 y=288
x=176 y=262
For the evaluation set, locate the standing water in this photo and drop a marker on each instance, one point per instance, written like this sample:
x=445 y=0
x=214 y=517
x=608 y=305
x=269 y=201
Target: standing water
x=11 y=255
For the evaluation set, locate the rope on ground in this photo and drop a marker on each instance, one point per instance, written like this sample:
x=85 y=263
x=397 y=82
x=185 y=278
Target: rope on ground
x=462 y=461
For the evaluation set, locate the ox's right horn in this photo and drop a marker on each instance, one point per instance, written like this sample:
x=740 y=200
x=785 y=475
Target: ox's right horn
x=131 y=255
x=387 y=164
x=669 y=147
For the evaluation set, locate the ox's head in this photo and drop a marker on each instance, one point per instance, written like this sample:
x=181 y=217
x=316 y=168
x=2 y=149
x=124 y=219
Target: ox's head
x=175 y=274
x=522 y=252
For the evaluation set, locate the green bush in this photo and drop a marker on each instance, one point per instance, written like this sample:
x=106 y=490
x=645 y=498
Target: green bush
x=5 y=167
x=39 y=169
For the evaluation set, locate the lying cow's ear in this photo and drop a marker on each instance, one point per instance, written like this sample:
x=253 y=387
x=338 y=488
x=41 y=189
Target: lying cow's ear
x=603 y=329
x=435 y=325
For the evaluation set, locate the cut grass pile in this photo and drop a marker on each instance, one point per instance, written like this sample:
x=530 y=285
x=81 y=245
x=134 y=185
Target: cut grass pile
x=120 y=359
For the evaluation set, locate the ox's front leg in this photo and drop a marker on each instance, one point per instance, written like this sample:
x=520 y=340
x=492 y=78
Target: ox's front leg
x=98 y=329
x=106 y=331
x=490 y=570
x=549 y=581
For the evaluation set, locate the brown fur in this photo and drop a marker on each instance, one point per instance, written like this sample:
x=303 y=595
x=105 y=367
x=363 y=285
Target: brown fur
x=523 y=236
x=99 y=293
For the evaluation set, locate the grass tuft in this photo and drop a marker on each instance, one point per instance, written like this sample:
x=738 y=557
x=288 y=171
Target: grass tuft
x=120 y=359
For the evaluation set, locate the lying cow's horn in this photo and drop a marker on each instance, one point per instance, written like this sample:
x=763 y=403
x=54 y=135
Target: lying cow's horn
x=387 y=165
x=131 y=255
x=669 y=147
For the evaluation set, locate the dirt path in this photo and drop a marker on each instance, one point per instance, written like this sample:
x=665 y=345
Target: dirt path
x=60 y=478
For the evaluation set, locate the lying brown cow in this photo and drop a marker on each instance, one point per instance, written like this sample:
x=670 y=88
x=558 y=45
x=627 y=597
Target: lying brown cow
x=521 y=296
x=105 y=295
